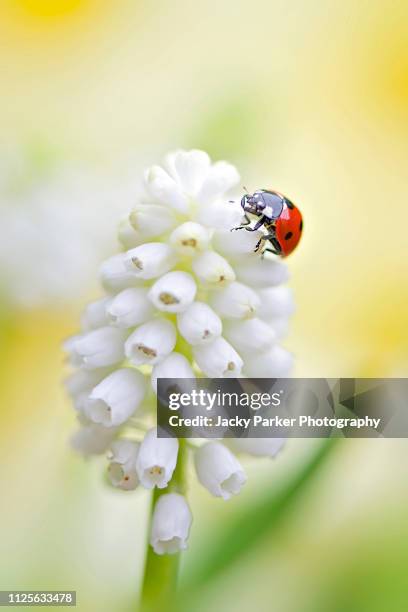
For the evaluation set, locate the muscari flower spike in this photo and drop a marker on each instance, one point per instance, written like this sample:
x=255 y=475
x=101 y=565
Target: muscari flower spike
x=183 y=277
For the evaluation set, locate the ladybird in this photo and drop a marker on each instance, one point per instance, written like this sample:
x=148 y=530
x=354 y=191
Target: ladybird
x=278 y=216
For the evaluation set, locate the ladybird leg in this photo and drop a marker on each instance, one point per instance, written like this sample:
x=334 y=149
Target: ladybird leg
x=272 y=239
x=259 y=244
x=257 y=225
x=245 y=225
x=276 y=246
x=269 y=251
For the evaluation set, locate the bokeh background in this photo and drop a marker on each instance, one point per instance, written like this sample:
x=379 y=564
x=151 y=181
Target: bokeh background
x=310 y=98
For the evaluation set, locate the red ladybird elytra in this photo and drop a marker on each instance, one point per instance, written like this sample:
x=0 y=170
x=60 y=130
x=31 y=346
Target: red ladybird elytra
x=278 y=216
x=288 y=228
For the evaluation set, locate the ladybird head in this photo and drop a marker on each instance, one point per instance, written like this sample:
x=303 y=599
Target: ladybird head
x=253 y=204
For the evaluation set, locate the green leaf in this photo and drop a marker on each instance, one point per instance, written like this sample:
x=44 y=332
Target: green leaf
x=246 y=530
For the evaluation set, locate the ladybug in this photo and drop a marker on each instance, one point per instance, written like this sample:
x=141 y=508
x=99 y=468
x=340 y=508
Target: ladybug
x=281 y=219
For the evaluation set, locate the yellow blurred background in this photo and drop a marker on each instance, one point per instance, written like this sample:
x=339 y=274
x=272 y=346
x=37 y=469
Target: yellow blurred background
x=310 y=98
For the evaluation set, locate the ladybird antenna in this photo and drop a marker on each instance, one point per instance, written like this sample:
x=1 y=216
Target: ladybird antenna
x=245 y=189
x=231 y=201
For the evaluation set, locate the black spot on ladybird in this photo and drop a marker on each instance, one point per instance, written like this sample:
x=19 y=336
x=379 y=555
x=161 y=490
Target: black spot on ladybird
x=288 y=236
x=301 y=225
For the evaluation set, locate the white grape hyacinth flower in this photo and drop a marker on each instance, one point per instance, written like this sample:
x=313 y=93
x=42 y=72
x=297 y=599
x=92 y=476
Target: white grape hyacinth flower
x=258 y=447
x=219 y=470
x=185 y=298
x=171 y=523
x=156 y=460
x=122 y=471
x=115 y=399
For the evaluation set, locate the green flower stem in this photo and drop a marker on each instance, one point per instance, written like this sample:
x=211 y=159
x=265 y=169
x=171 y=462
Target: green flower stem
x=161 y=571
